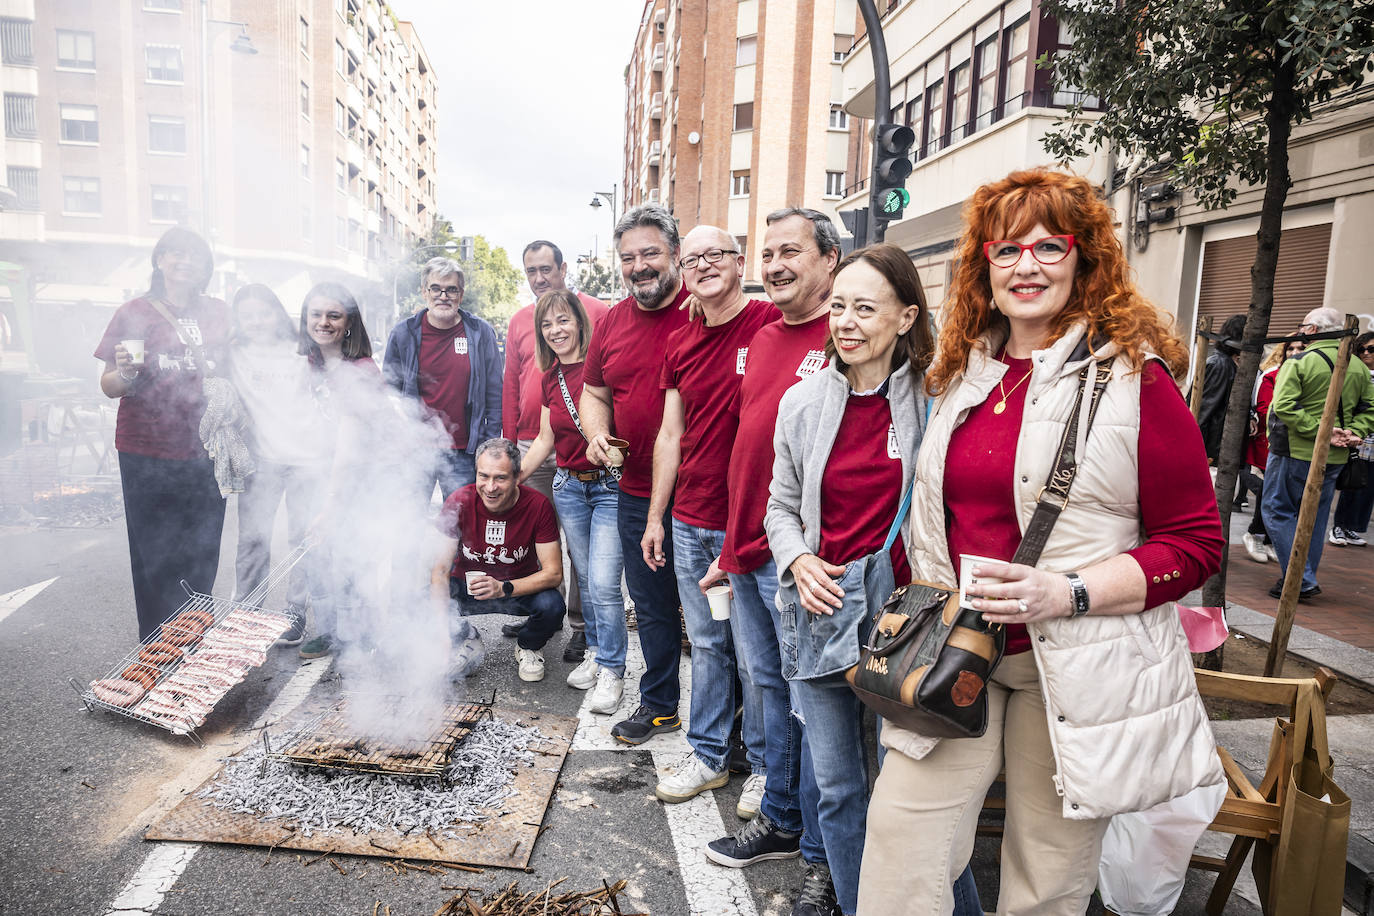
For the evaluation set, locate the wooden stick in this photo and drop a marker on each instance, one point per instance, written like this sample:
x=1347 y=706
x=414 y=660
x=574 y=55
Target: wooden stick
x=1199 y=365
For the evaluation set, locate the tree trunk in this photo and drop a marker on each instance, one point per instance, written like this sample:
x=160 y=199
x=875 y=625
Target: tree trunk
x=1279 y=121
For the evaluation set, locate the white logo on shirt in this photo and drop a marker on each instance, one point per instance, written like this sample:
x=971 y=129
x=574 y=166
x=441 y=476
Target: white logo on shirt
x=496 y=532
x=460 y=346
x=191 y=328
x=813 y=363
x=893 y=451
x=740 y=357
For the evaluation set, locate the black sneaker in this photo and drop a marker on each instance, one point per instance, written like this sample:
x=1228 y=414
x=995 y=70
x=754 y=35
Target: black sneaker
x=756 y=841
x=296 y=633
x=512 y=630
x=644 y=724
x=1308 y=594
x=1277 y=590
x=817 y=897
x=576 y=649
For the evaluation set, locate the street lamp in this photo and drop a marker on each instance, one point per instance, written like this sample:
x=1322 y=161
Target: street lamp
x=242 y=44
x=610 y=199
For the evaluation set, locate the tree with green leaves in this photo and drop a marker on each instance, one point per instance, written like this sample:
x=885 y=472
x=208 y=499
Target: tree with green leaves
x=599 y=278
x=1209 y=91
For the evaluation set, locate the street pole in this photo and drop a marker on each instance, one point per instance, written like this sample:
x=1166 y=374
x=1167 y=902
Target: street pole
x=882 y=111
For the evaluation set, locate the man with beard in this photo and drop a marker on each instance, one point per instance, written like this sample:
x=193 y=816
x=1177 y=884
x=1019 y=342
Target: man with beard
x=700 y=379
x=545 y=271
x=620 y=392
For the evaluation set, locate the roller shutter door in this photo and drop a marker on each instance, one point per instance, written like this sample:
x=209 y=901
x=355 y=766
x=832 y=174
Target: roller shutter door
x=1298 y=283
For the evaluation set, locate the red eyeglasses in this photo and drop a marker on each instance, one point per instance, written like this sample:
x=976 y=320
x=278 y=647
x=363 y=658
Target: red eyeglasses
x=1050 y=250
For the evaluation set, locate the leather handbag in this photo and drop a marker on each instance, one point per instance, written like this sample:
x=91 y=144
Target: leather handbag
x=927 y=661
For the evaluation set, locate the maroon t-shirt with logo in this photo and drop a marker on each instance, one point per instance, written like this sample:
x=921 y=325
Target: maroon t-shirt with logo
x=705 y=365
x=160 y=418
x=500 y=545
x=445 y=371
x=626 y=356
x=780 y=355
x=862 y=486
x=568 y=442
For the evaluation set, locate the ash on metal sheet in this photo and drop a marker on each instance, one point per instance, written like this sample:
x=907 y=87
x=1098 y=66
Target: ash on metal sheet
x=480 y=777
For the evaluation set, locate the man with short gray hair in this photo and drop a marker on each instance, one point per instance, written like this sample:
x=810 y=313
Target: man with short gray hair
x=448 y=358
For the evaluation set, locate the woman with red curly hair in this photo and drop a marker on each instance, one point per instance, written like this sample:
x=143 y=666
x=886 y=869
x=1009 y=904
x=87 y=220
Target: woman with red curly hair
x=1093 y=710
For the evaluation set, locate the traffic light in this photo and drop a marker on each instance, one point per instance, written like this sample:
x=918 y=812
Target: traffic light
x=892 y=165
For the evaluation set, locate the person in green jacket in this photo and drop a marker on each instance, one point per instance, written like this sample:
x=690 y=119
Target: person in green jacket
x=1299 y=396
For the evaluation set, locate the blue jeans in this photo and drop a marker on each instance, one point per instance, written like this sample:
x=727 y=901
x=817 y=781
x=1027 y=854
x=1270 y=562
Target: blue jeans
x=1284 y=480
x=587 y=510
x=753 y=616
x=654 y=592
x=543 y=610
x=834 y=736
x=454 y=469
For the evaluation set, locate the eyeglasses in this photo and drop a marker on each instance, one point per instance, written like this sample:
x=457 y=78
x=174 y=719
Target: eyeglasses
x=712 y=256
x=1296 y=348
x=1369 y=349
x=440 y=292
x=1050 y=250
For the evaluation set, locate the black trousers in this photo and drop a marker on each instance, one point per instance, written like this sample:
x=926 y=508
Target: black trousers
x=174 y=515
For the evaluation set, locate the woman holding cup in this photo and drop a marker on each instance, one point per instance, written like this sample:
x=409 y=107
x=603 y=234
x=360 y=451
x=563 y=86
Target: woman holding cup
x=157 y=350
x=584 y=494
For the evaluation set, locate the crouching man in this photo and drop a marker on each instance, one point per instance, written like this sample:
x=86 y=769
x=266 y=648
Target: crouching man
x=501 y=556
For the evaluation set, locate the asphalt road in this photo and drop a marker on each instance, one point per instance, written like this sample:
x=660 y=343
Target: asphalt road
x=78 y=788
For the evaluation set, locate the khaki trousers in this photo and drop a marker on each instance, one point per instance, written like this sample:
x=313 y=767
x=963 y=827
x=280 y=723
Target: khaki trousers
x=923 y=814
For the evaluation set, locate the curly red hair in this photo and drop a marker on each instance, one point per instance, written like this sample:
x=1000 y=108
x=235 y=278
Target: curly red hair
x=1103 y=295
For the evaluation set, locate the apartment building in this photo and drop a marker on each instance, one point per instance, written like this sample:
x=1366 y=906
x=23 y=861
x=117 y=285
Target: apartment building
x=733 y=110
x=298 y=137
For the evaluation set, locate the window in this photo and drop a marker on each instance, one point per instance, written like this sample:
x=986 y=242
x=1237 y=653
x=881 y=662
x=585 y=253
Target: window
x=80 y=195
x=839 y=118
x=355 y=235
x=166 y=134
x=340 y=59
x=305 y=99
x=935 y=117
x=23 y=181
x=842 y=45
x=169 y=5
x=303 y=32
x=307 y=222
x=1067 y=93
x=79 y=124
x=740 y=243
x=985 y=97
x=76 y=50
x=164 y=63
x=21 y=117
x=958 y=103
x=340 y=116
x=739 y=183
x=340 y=232
x=914 y=120
x=168 y=204
x=744 y=116
x=1014 y=73
x=746 y=50
x=305 y=162
x=834 y=184
x=16 y=41
x=340 y=175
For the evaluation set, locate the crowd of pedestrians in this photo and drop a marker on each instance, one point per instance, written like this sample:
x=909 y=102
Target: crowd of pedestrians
x=691 y=438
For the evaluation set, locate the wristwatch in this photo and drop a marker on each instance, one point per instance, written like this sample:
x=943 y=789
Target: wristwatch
x=1079 y=594
x=508 y=588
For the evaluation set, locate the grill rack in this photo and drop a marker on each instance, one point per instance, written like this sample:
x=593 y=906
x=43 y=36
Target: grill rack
x=307 y=745
x=219 y=608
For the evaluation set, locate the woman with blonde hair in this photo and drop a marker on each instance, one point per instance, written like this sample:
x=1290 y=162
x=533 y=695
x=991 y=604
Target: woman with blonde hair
x=1093 y=710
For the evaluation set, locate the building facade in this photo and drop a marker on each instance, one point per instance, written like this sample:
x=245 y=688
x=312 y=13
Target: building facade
x=298 y=138
x=733 y=110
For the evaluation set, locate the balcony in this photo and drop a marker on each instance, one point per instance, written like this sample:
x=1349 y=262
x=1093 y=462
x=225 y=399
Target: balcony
x=656 y=105
x=655 y=152
x=353 y=97
x=656 y=62
x=373 y=119
x=353 y=40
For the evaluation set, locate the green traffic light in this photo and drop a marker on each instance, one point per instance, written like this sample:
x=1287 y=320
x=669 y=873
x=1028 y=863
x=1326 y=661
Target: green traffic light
x=895 y=200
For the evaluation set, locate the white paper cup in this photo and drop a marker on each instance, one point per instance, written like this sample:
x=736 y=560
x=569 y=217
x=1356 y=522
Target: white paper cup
x=968 y=584
x=719 y=597
x=471 y=576
x=135 y=347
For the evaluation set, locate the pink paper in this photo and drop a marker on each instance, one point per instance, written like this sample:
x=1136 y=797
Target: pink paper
x=1205 y=627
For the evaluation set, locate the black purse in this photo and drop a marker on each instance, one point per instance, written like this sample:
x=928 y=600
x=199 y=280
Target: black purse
x=927 y=661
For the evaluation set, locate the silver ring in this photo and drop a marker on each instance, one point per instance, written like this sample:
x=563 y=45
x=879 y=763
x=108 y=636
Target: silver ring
x=1021 y=605
x=815 y=588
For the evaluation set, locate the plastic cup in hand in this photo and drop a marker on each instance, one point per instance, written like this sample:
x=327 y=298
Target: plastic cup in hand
x=616 y=451
x=719 y=598
x=472 y=576
x=135 y=347
x=968 y=583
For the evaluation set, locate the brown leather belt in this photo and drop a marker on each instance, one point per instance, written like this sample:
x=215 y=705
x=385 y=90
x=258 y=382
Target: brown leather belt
x=587 y=475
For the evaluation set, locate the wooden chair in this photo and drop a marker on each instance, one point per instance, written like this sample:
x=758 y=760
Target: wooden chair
x=1255 y=812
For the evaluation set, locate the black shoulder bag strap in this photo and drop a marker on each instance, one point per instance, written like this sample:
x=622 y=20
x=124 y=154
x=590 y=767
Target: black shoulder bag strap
x=577 y=420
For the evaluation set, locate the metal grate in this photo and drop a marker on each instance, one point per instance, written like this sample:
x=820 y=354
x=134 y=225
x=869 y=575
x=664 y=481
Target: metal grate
x=16 y=41
x=21 y=116
x=330 y=741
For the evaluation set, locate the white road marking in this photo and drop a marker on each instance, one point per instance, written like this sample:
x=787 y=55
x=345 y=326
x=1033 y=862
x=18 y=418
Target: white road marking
x=165 y=863
x=712 y=890
x=13 y=601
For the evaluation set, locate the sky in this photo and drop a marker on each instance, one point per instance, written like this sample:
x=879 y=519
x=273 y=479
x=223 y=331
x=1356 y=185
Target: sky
x=531 y=115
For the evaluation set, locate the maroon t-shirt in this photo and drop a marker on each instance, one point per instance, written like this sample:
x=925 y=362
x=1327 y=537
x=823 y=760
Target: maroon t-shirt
x=861 y=488
x=445 y=371
x=568 y=442
x=626 y=356
x=502 y=546
x=705 y=365
x=1178 y=508
x=780 y=355
x=160 y=418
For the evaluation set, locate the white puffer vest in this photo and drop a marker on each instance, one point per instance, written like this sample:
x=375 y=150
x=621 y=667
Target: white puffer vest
x=1126 y=722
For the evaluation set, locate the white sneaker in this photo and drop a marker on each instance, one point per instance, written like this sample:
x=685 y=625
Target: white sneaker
x=1337 y=537
x=608 y=693
x=1254 y=547
x=584 y=675
x=467 y=656
x=689 y=780
x=751 y=797
x=531 y=664
x=1271 y=552
x=1355 y=539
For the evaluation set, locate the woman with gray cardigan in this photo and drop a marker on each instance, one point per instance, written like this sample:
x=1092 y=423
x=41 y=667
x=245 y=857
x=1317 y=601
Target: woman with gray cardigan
x=846 y=444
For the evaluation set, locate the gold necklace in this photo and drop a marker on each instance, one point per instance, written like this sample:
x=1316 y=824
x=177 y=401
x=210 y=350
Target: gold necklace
x=1001 y=405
